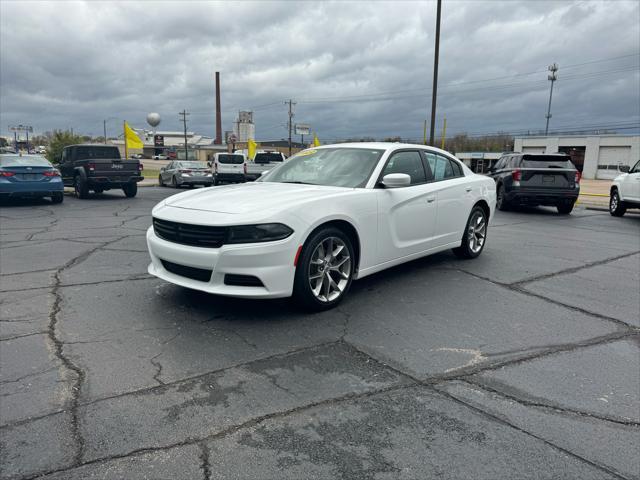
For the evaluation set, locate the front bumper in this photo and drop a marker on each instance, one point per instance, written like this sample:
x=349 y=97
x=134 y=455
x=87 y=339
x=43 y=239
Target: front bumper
x=270 y=262
x=541 y=196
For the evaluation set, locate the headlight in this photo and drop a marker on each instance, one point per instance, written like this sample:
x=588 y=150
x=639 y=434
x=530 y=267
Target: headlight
x=266 y=232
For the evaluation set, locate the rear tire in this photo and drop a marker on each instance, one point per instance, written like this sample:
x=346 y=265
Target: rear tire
x=331 y=273
x=130 y=190
x=57 y=197
x=566 y=207
x=501 y=202
x=474 y=237
x=617 y=208
x=81 y=187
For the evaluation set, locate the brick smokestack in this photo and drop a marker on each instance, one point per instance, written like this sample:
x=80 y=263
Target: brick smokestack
x=218 y=140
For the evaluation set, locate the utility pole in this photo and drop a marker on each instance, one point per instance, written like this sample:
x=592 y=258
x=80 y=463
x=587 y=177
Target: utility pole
x=291 y=103
x=424 y=134
x=435 y=75
x=104 y=127
x=444 y=133
x=552 y=78
x=184 y=115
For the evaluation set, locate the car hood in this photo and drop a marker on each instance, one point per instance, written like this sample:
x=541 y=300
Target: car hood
x=250 y=197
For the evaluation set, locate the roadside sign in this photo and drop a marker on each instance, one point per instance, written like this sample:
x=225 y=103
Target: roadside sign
x=302 y=129
x=158 y=140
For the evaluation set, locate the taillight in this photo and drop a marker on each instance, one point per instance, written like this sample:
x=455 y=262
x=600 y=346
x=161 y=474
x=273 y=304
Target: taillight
x=578 y=177
x=185 y=171
x=91 y=166
x=216 y=167
x=516 y=175
x=52 y=173
x=140 y=167
x=7 y=174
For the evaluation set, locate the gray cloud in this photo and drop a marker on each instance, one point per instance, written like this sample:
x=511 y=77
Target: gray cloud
x=356 y=69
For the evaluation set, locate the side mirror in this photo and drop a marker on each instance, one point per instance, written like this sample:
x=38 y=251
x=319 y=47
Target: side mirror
x=264 y=172
x=396 y=180
x=624 y=168
x=208 y=164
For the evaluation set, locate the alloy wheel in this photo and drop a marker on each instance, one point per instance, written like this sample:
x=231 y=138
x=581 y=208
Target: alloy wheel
x=613 y=203
x=329 y=269
x=477 y=231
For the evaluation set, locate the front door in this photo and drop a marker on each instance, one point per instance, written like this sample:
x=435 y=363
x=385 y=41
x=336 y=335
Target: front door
x=406 y=215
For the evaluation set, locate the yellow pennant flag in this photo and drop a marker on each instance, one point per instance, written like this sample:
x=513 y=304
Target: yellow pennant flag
x=252 y=145
x=131 y=138
x=316 y=142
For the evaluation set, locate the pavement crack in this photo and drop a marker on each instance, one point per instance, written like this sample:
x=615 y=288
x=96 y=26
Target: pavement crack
x=28 y=375
x=205 y=465
x=556 y=408
x=7 y=339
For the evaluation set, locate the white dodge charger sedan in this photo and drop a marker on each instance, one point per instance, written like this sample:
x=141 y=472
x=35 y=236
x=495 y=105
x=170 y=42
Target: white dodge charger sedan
x=327 y=216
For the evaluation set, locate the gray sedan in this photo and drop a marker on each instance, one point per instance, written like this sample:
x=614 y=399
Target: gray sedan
x=178 y=173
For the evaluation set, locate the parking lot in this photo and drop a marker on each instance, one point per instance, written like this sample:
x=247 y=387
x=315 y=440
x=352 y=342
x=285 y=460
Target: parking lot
x=522 y=363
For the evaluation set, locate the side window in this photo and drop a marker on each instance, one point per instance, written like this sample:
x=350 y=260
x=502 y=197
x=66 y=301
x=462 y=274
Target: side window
x=515 y=162
x=408 y=162
x=440 y=167
x=65 y=155
x=457 y=169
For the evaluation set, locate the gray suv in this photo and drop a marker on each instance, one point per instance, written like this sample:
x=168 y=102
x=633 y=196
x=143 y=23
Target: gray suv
x=536 y=179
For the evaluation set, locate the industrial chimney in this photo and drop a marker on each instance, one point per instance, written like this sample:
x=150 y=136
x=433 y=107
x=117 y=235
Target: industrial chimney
x=218 y=140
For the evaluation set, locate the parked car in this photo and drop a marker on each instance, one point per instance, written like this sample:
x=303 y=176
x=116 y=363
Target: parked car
x=179 y=173
x=625 y=191
x=263 y=161
x=29 y=176
x=160 y=157
x=99 y=167
x=229 y=167
x=324 y=218
x=536 y=179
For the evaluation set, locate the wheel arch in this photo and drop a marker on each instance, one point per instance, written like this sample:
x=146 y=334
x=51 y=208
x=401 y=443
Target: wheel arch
x=348 y=228
x=485 y=207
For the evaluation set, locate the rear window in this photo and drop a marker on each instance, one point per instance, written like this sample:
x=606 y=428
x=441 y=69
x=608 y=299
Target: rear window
x=83 y=153
x=26 y=161
x=192 y=165
x=228 y=158
x=546 y=161
x=267 y=157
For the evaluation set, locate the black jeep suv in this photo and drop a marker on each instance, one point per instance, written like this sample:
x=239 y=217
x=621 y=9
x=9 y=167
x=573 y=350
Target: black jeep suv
x=536 y=179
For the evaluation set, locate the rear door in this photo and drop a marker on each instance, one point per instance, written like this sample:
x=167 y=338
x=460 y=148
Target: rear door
x=454 y=198
x=230 y=163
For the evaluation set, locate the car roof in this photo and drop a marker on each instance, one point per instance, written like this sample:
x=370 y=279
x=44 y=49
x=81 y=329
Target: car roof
x=382 y=146
x=13 y=155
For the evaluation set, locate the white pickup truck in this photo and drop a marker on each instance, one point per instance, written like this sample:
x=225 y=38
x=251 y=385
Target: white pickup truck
x=263 y=161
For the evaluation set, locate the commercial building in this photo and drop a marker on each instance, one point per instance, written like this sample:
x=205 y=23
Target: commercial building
x=596 y=156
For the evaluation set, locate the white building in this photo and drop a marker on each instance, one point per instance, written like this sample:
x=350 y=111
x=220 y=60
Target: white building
x=597 y=156
x=244 y=128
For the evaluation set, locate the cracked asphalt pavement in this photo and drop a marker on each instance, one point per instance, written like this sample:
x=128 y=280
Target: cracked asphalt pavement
x=521 y=364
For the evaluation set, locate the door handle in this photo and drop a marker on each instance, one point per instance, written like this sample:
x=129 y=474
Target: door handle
x=468 y=189
x=430 y=199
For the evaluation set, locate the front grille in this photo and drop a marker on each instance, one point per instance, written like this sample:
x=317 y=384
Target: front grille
x=242 y=280
x=200 y=274
x=186 y=234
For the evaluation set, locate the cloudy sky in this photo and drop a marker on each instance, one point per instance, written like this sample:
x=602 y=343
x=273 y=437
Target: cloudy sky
x=354 y=69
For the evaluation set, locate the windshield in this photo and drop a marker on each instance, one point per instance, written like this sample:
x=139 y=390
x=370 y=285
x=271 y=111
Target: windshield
x=336 y=167
x=233 y=159
x=26 y=161
x=546 y=161
x=192 y=165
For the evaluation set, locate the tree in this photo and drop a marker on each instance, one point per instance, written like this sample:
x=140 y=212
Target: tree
x=59 y=140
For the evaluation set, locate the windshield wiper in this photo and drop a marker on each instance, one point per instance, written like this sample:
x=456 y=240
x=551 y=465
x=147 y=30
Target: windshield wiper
x=300 y=183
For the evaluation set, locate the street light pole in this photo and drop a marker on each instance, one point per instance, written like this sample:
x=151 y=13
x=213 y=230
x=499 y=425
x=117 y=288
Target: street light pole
x=435 y=75
x=104 y=126
x=552 y=78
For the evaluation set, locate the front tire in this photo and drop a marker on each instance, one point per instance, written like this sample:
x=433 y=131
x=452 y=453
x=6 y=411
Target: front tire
x=130 y=190
x=174 y=182
x=160 y=182
x=475 y=234
x=617 y=208
x=325 y=270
